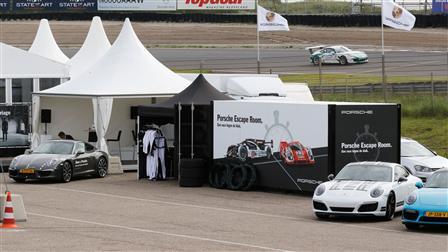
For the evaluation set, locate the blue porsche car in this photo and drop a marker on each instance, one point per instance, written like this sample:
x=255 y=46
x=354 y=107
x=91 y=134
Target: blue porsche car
x=428 y=205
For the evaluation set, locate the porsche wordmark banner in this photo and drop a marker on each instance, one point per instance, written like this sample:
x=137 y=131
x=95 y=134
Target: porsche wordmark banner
x=136 y=5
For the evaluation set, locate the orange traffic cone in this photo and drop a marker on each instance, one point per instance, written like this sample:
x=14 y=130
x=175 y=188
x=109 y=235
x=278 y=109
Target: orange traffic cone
x=8 y=218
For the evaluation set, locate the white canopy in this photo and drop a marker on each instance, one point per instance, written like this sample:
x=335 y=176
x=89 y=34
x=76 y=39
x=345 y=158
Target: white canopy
x=16 y=63
x=94 y=47
x=127 y=69
x=45 y=45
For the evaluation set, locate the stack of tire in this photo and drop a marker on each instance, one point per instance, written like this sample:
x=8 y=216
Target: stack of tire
x=233 y=176
x=192 y=172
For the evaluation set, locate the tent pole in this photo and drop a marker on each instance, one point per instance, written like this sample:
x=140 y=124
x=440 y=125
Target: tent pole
x=179 y=124
x=192 y=130
x=383 y=67
x=258 y=39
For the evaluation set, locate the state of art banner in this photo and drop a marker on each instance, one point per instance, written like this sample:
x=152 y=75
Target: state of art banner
x=216 y=4
x=51 y=5
x=137 y=5
x=4 y=5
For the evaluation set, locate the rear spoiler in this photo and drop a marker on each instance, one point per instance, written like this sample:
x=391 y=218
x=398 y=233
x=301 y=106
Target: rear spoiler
x=312 y=49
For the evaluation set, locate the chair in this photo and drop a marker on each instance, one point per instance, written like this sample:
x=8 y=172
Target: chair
x=117 y=140
x=134 y=137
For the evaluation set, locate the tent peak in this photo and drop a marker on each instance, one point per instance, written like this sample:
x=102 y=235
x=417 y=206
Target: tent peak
x=45 y=45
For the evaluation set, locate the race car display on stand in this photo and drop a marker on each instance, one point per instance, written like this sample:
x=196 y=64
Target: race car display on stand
x=336 y=55
x=60 y=160
x=295 y=153
x=364 y=189
x=250 y=148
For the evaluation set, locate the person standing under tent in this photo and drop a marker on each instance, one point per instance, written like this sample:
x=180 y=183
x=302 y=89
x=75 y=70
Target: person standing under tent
x=5 y=129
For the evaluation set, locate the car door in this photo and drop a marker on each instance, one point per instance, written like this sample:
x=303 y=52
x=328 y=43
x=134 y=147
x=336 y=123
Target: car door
x=90 y=152
x=81 y=159
x=330 y=56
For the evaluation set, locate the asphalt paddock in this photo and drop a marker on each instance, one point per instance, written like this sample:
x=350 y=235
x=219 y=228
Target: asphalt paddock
x=119 y=213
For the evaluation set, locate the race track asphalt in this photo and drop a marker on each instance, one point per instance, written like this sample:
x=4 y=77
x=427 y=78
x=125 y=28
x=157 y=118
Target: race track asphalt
x=120 y=213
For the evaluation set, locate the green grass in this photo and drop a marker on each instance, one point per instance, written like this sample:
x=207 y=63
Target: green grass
x=191 y=71
x=358 y=79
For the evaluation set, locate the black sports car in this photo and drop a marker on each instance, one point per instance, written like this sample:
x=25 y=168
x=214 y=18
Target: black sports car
x=61 y=160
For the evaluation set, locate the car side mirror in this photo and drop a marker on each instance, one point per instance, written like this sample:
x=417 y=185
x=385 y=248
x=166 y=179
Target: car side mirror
x=28 y=151
x=330 y=177
x=419 y=184
x=402 y=179
x=79 y=153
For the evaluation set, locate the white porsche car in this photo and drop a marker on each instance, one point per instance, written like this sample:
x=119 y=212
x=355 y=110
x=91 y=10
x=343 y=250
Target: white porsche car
x=336 y=55
x=365 y=189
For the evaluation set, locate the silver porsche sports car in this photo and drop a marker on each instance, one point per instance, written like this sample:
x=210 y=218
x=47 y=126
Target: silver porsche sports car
x=61 y=160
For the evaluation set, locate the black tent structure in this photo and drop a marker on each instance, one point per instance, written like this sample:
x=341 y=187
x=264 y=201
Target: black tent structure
x=190 y=112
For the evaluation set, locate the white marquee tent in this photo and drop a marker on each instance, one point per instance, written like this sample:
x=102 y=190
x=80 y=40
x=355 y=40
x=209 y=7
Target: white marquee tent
x=94 y=47
x=125 y=76
x=45 y=45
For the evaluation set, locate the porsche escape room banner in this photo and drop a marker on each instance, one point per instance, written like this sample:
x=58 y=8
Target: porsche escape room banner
x=366 y=133
x=216 y=4
x=136 y=5
x=15 y=127
x=51 y=5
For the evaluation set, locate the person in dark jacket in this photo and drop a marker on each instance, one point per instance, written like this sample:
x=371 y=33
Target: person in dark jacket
x=5 y=129
x=62 y=135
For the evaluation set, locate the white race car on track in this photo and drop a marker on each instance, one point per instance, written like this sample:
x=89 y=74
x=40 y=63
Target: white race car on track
x=365 y=189
x=336 y=55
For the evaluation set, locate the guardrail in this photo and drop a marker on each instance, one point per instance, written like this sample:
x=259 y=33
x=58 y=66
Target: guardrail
x=404 y=88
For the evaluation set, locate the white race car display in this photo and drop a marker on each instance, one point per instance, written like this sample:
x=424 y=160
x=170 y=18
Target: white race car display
x=336 y=55
x=365 y=188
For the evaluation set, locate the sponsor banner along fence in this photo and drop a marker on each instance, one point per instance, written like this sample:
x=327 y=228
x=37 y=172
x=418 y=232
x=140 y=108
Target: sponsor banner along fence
x=216 y=4
x=53 y=6
x=4 y=6
x=136 y=5
x=440 y=6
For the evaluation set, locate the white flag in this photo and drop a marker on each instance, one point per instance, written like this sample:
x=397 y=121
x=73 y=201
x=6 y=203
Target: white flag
x=270 y=21
x=396 y=16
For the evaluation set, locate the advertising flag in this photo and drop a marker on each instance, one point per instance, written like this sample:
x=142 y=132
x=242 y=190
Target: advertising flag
x=270 y=21
x=396 y=16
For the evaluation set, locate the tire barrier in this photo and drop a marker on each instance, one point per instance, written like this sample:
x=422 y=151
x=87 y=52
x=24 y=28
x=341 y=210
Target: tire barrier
x=422 y=21
x=233 y=176
x=192 y=172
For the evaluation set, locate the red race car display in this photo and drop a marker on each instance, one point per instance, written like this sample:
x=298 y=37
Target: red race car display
x=295 y=153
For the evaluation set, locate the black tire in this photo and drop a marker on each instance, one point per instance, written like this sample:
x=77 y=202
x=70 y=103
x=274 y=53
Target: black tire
x=242 y=153
x=221 y=176
x=343 y=60
x=390 y=207
x=101 y=167
x=66 y=172
x=322 y=216
x=316 y=61
x=19 y=180
x=236 y=177
x=192 y=168
x=190 y=182
x=251 y=177
x=269 y=153
x=412 y=226
x=211 y=174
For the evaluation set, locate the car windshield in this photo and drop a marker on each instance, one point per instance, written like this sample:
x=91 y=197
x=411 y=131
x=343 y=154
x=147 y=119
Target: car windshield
x=365 y=173
x=342 y=49
x=415 y=149
x=54 y=148
x=438 y=180
x=295 y=147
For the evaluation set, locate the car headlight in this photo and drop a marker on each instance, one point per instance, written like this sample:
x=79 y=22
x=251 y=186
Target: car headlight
x=319 y=190
x=376 y=192
x=49 y=165
x=411 y=199
x=13 y=163
x=421 y=168
x=53 y=162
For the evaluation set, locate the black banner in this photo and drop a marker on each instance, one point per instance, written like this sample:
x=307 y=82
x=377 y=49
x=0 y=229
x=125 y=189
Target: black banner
x=57 y=6
x=366 y=133
x=4 y=6
x=15 y=126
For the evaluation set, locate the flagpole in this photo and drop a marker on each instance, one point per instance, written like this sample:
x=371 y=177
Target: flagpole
x=258 y=39
x=383 y=70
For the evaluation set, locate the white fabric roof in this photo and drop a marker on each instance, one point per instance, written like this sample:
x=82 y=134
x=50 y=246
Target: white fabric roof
x=94 y=47
x=255 y=86
x=17 y=63
x=45 y=45
x=127 y=69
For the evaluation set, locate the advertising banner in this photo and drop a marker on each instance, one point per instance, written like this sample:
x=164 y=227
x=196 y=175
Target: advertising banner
x=50 y=5
x=366 y=133
x=287 y=142
x=216 y=4
x=76 y=5
x=440 y=6
x=15 y=125
x=4 y=5
x=136 y=5
x=33 y=5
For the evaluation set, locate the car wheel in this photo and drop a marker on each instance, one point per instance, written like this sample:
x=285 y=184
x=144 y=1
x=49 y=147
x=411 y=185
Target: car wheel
x=316 y=61
x=242 y=153
x=67 y=172
x=412 y=226
x=343 y=60
x=322 y=216
x=268 y=153
x=19 y=180
x=390 y=207
x=101 y=169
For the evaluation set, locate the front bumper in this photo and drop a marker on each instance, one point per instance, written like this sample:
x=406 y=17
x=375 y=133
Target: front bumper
x=365 y=208
x=416 y=215
x=38 y=174
x=358 y=60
